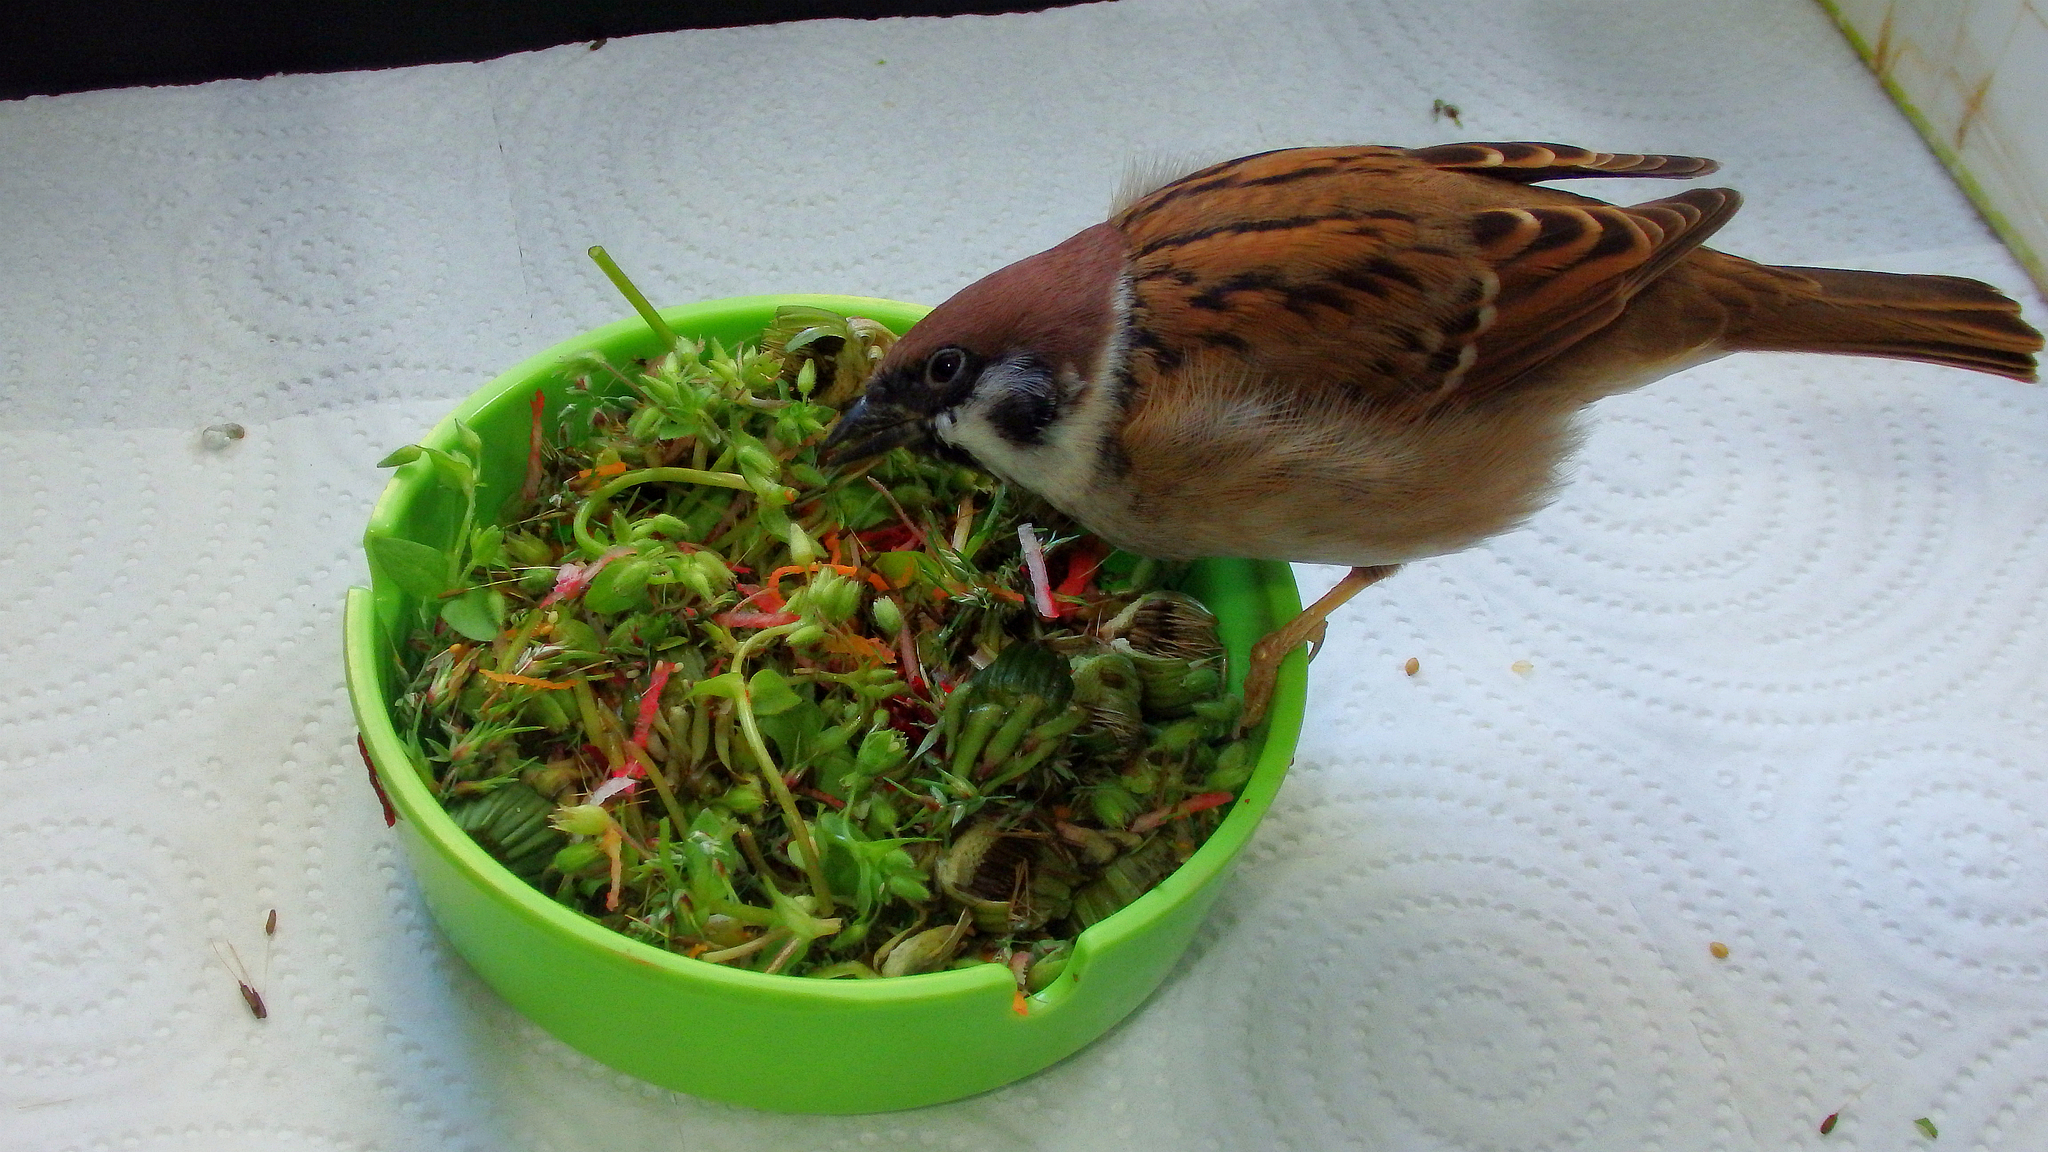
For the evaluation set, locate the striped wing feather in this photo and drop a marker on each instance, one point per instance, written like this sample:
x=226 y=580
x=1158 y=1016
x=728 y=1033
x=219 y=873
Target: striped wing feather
x=1404 y=277
x=1529 y=163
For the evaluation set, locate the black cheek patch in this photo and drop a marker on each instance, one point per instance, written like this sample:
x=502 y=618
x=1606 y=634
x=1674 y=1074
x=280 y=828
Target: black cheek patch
x=1022 y=415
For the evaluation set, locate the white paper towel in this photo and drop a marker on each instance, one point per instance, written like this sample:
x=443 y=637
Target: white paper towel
x=1787 y=671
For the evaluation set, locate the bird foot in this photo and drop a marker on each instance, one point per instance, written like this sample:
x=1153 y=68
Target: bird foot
x=1310 y=627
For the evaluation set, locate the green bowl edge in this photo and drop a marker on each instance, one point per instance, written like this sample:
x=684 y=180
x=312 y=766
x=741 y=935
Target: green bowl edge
x=1194 y=882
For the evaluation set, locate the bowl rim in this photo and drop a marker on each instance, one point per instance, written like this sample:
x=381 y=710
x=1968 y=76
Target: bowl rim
x=409 y=795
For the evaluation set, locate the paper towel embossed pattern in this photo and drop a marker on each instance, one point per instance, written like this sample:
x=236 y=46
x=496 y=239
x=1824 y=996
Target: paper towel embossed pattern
x=1797 y=597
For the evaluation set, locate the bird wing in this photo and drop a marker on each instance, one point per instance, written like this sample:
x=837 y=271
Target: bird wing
x=1565 y=272
x=1525 y=163
x=1399 y=276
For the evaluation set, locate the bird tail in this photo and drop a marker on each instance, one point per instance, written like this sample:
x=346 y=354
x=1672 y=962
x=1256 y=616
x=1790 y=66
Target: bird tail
x=1948 y=320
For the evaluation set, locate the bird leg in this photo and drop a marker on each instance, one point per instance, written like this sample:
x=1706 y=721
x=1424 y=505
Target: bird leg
x=1309 y=625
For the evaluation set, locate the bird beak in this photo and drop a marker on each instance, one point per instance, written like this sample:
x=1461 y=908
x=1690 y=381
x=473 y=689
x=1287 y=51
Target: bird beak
x=870 y=429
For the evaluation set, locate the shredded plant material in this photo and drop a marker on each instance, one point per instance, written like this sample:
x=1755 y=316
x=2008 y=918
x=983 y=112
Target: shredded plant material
x=700 y=688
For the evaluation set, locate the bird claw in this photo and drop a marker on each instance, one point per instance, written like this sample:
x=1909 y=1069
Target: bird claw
x=1315 y=640
x=1260 y=677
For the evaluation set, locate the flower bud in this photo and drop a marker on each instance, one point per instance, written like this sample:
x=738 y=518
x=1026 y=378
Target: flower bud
x=802 y=549
x=837 y=597
x=881 y=752
x=1233 y=767
x=756 y=461
x=712 y=565
x=527 y=549
x=582 y=819
x=661 y=524
x=743 y=799
x=887 y=615
x=577 y=858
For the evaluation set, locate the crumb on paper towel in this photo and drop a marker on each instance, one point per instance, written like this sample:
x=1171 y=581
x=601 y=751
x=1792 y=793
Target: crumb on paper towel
x=219 y=436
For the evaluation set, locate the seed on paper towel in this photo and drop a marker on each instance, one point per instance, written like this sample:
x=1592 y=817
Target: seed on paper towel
x=1828 y=1125
x=219 y=436
x=1412 y=666
x=232 y=960
x=1521 y=667
x=1719 y=950
x=1927 y=1128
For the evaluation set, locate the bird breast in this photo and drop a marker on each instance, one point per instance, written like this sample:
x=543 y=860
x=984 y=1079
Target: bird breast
x=1218 y=461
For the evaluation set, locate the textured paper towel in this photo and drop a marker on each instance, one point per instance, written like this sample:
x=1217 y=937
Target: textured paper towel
x=1787 y=673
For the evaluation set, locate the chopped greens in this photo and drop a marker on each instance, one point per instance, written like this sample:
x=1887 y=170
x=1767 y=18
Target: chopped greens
x=726 y=701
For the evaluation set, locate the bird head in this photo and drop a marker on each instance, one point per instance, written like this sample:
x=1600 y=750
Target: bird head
x=1001 y=374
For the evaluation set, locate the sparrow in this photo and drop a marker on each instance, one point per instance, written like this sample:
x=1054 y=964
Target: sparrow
x=1364 y=355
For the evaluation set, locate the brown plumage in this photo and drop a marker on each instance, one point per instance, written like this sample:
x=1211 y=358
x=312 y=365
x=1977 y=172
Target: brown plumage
x=1367 y=355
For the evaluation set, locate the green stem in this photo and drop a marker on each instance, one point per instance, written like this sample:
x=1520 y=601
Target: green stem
x=1004 y=742
x=632 y=294
x=581 y=524
x=772 y=777
x=668 y=796
x=1043 y=741
x=982 y=722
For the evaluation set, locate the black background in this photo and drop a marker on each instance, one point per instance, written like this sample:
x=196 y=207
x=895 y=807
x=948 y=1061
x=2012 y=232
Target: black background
x=64 y=46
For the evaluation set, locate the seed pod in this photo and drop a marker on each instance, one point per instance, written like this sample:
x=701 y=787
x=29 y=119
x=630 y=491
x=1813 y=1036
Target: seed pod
x=994 y=874
x=511 y=824
x=1107 y=685
x=552 y=780
x=1113 y=804
x=1177 y=737
x=1170 y=685
x=755 y=460
x=1233 y=767
x=1047 y=965
x=1024 y=670
x=723 y=931
x=1123 y=881
x=1167 y=624
x=923 y=952
x=660 y=524
x=1023 y=684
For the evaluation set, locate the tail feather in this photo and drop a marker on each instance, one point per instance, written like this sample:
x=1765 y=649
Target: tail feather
x=1948 y=320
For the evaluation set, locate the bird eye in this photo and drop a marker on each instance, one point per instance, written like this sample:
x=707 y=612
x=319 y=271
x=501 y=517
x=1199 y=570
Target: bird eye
x=945 y=367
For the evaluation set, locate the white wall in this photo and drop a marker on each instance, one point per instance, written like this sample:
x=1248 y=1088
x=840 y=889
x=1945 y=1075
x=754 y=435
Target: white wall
x=1973 y=74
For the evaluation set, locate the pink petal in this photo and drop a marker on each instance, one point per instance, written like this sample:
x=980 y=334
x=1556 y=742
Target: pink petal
x=1034 y=563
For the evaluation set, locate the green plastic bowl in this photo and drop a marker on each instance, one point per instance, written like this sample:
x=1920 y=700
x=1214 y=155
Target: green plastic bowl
x=776 y=1042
